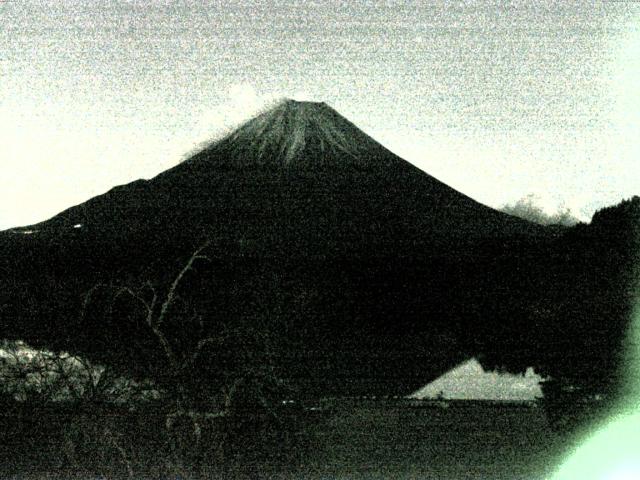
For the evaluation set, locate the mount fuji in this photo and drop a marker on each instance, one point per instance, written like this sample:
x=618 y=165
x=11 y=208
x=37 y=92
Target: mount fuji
x=369 y=275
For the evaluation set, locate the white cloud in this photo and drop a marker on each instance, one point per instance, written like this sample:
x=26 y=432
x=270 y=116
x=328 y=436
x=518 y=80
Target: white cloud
x=243 y=95
x=242 y=102
x=302 y=96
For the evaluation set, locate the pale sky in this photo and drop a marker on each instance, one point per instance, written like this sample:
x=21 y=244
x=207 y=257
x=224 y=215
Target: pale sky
x=498 y=99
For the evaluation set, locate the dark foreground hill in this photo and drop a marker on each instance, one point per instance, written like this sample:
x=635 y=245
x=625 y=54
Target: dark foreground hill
x=328 y=258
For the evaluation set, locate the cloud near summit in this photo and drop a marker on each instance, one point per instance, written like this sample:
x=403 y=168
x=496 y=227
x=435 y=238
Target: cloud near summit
x=241 y=102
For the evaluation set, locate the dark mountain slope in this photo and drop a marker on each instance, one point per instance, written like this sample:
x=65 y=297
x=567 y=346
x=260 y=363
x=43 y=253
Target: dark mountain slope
x=365 y=272
x=297 y=156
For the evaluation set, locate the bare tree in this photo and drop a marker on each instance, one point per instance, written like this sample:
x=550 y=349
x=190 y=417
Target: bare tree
x=156 y=312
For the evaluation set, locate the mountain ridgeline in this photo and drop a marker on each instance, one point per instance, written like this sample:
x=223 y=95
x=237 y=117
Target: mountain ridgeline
x=348 y=268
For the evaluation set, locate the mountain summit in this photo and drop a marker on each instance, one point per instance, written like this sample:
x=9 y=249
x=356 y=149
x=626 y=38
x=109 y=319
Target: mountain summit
x=293 y=132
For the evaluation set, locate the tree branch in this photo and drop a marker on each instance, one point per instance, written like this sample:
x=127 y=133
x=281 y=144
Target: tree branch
x=176 y=282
